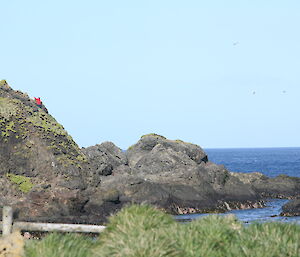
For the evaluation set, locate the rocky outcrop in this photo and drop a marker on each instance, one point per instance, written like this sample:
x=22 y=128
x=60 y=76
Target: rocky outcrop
x=291 y=208
x=281 y=186
x=105 y=158
x=32 y=142
x=40 y=165
x=154 y=153
x=47 y=177
x=172 y=175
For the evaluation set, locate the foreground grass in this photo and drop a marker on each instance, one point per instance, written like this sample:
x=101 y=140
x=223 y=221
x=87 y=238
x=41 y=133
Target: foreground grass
x=143 y=231
x=60 y=245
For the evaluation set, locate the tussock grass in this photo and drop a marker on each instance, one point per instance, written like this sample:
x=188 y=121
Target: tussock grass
x=60 y=245
x=210 y=236
x=270 y=239
x=138 y=231
x=141 y=231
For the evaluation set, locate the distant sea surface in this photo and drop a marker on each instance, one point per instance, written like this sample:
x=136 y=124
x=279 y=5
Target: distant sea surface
x=269 y=161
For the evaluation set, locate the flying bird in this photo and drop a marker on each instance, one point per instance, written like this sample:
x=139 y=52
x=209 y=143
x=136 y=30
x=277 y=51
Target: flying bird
x=235 y=43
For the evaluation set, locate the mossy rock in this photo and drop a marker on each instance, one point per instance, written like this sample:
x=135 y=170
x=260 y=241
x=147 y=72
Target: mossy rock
x=24 y=183
x=153 y=135
x=3 y=82
x=7 y=108
x=19 y=118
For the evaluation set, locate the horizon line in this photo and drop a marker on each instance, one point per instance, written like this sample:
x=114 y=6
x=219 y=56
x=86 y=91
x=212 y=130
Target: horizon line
x=252 y=147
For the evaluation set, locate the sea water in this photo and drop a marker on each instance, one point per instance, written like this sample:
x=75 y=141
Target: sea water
x=269 y=161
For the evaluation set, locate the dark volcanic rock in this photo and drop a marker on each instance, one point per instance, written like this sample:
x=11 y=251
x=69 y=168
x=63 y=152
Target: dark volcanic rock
x=105 y=158
x=46 y=177
x=291 y=208
x=173 y=175
x=281 y=186
x=37 y=158
x=154 y=154
x=32 y=142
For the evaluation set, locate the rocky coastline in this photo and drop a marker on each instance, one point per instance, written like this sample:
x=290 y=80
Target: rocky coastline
x=45 y=176
x=291 y=208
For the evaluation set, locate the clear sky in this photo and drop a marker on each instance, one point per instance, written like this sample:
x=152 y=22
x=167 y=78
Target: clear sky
x=215 y=73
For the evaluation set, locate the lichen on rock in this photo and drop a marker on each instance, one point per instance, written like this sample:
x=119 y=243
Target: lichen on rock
x=24 y=183
x=21 y=119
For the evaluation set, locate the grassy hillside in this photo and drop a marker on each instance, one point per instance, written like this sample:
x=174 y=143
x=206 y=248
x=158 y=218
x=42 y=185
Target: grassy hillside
x=143 y=231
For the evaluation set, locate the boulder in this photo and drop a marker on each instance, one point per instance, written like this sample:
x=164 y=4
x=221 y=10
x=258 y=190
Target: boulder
x=175 y=180
x=281 y=186
x=292 y=208
x=104 y=158
x=154 y=153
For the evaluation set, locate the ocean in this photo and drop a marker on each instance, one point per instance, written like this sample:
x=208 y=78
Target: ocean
x=269 y=161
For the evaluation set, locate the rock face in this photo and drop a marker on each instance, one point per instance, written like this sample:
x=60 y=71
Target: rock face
x=105 y=158
x=46 y=177
x=40 y=164
x=172 y=175
x=154 y=154
x=281 y=186
x=291 y=208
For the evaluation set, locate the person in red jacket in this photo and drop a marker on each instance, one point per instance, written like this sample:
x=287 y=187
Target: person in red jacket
x=38 y=101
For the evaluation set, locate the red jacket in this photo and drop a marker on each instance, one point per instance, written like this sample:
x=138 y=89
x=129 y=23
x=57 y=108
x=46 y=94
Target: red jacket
x=38 y=101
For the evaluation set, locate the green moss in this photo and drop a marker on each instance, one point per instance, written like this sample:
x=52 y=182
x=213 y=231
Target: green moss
x=81 y=158
x=60 y=141
x=182 y=142
x=153 y=135
x=9 y=128
x=3 y=82
x=162 y=137
x=47 y=122
x=7 y=108
x=130 y=147
x=21 y=120
x=24 y=183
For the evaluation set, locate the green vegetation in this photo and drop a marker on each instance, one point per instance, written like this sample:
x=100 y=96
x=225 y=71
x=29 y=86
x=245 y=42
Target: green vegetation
x=7 y=108
x=59 y=245
x=133 y=232
x=182 y=142
x=9 y=128
x=20 y=120
x=59 y=140
x=3 y=82
x=138 y=231
x=24 y=183
x=162 y=137
x=153 y=135
x=159 y=136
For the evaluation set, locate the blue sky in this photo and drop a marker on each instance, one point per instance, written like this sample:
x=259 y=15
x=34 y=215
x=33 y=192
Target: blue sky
x=115 y=70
